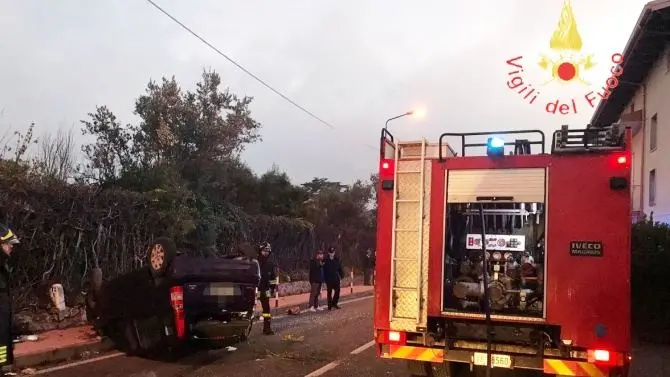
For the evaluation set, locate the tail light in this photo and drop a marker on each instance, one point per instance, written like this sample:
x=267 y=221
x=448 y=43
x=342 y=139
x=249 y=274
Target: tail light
x=605 y=357
x=392 y=337
x=177 y=303
x=601 y=356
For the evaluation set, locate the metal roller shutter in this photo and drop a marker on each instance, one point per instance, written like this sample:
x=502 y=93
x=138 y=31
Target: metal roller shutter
x=524 y=185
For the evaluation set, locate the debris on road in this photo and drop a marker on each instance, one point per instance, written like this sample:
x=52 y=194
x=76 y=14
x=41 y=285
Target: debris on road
x=294 y=310
x=293 y=338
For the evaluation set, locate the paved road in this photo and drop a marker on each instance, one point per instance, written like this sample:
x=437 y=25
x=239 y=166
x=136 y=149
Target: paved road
x=328 y=344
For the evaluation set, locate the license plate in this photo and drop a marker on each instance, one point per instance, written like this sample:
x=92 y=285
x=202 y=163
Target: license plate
x=497 y=361
x=222 y=291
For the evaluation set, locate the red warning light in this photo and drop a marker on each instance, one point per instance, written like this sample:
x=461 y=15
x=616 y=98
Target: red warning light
x=621 y=160
x=386 y=168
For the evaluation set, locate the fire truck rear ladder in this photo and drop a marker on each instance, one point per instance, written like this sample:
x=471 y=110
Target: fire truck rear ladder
x=406 y=276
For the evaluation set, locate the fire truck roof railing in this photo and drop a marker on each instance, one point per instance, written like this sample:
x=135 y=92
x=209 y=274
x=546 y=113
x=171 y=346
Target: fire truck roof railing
x=465 y=145
x=587 y=140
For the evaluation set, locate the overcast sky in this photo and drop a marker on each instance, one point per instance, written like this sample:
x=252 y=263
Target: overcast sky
x=353 y=63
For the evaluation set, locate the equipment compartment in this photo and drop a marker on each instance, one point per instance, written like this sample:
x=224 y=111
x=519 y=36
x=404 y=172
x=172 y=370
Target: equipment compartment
x=515 y=258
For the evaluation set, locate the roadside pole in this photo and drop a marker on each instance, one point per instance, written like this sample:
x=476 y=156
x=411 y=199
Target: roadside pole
x=277 y=293
x=351 y=282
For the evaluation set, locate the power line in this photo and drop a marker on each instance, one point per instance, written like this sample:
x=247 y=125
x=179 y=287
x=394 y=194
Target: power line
x=238 y=65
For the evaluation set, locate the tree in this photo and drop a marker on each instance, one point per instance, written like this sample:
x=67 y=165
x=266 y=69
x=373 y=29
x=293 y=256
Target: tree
x=55 y=159
x=316 y=185
x=21 y=146
x=110 y=154
x=204 y=126
x=342 y=216
x=279 y=197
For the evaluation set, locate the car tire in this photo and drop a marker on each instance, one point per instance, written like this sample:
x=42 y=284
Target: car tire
x=160 y=255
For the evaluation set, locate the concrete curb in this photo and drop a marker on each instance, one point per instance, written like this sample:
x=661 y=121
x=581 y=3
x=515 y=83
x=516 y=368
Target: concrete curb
x=60 y=355
x=95 y=348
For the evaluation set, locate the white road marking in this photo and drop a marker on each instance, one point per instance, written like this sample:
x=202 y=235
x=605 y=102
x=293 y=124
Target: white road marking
x=332 y=365
x=324 y=369
x=78 y=363
x=363 y=347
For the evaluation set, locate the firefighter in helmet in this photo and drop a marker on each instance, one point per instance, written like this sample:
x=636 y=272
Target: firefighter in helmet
x=267 y=285
x=7 y=241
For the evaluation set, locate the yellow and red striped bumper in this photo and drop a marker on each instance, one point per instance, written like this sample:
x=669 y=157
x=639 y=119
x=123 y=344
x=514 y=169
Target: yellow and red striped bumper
x=573 y=368
x=432 y=355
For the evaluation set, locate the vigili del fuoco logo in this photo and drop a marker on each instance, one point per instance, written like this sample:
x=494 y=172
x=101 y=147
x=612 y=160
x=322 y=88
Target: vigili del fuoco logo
x=564 y=64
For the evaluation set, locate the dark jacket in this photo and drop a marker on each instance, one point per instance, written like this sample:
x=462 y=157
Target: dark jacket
x=5 y=271
x=368 y=260
x=268 y=273
x=316 y=273
x=6 y=358
x=333 y=270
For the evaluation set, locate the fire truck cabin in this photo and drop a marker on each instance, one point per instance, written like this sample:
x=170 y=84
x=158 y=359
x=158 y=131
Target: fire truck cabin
x=543 y=237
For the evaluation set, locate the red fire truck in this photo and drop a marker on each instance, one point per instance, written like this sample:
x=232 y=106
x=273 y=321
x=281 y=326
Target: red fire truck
x=505 y=259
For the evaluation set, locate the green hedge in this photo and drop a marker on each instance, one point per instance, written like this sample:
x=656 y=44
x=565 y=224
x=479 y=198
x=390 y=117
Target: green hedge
x=66 y=230
x=650 y=280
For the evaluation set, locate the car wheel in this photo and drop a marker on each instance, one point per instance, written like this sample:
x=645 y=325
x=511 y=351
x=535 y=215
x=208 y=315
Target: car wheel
x=159 y=256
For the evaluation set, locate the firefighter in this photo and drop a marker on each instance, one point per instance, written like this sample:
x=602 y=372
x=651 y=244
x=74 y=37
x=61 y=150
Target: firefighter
x=7 y=240
x=267 y=285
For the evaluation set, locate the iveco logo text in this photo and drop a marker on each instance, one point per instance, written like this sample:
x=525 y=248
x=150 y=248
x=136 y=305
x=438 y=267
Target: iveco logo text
x=586 y=246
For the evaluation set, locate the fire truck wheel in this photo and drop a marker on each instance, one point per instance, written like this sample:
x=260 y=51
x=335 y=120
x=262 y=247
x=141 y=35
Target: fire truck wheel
x=159 y=256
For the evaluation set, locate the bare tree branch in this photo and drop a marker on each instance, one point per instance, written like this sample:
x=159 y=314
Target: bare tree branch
x=55 y=159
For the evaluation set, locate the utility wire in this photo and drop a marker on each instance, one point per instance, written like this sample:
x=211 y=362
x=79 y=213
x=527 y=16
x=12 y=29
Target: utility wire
x=238 y=65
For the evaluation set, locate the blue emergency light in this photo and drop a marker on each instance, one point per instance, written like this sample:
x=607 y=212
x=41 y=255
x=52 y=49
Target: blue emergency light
x=495 y=147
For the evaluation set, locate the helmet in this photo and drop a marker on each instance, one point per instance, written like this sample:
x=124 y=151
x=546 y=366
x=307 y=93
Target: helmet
x=265 y=246
x=7 y=236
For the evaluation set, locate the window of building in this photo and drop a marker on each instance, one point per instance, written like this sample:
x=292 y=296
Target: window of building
x=653 y=132
x=652 y=188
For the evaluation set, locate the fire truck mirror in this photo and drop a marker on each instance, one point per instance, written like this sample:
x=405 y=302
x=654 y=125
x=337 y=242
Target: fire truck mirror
x=387 y=184
x=618 y=183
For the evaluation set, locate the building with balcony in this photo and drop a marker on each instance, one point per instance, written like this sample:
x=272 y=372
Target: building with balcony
x=642 y=101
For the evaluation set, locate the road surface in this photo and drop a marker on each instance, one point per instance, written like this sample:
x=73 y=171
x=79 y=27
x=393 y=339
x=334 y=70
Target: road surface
x=328 y=344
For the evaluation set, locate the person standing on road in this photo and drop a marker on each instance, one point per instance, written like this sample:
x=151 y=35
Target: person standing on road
x=267 y=285
x=334 y=273
x=316 y=280
x=7 y=240
x=368 y=267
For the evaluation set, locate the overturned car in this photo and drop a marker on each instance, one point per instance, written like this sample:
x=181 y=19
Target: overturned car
x=176 y=300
